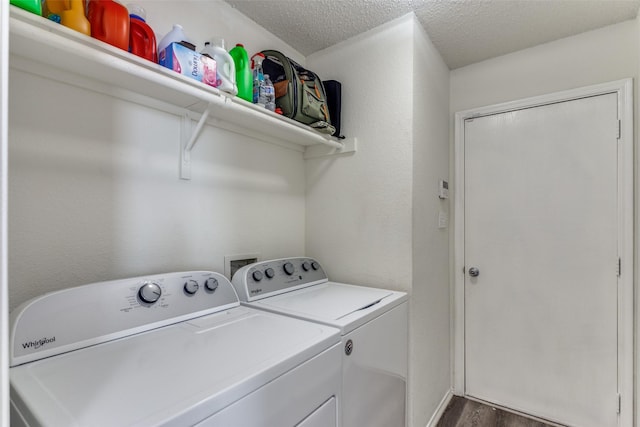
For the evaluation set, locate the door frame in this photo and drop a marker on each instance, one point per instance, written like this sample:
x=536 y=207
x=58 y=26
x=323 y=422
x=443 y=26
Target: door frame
x=624 y=90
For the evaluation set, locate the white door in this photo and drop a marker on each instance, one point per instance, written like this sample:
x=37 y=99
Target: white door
x=541 y=228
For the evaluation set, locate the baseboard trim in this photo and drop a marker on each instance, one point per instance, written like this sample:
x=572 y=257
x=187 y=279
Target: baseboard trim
x=440 y=409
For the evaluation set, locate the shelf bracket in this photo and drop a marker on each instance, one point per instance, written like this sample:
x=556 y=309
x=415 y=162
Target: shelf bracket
x=349 y=145
x=188 y=140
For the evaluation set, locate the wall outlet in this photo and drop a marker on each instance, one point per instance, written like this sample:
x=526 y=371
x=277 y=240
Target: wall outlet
x=233 y=263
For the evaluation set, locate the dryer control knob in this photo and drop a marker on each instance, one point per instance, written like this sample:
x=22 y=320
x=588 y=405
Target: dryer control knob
x=149 y=292
x=211 y=284
x=270 y=273
x=191 y=287
x=306 y=266
x=288 y=268
x=315 y=265
x=257 y=275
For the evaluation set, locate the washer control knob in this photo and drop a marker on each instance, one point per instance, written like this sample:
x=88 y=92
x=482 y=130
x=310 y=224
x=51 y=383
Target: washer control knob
x=257 y=275
x=270 y=273
x=211 y=284
x=191 y=287
x=306 y=266
x=288 y=268
x=149 y=292
x=315 y=265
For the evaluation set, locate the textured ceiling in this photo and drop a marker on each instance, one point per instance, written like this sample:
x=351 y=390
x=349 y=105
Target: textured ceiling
x=464 y=31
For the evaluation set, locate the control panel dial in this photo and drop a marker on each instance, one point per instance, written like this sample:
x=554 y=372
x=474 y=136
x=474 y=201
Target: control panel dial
x=150 y=292
x=211 y=284
x=270 y=273
x=306 y=266
x=315 y=265
x=288 y=268
x=257 y=275
x=191 y=287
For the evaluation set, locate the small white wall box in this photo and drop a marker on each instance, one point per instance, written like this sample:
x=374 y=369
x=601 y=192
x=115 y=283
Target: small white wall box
x=443 y=189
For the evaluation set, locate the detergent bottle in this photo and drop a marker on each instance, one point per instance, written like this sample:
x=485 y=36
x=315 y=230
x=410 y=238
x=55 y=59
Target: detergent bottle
x=142 y=40
x=176 y=35
x=33 y=6
x=69 y=13
x=243 y=72
x=226 y=67
x=109 y=22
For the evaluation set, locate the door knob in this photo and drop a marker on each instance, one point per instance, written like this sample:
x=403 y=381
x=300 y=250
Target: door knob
x=474 y=272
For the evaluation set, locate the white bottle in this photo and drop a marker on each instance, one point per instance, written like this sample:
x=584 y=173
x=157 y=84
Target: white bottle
x=225 y=67
x=176 y=35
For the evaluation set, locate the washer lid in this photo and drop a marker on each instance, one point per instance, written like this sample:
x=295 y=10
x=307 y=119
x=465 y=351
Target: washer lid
x=337 y=304
x=175 y=375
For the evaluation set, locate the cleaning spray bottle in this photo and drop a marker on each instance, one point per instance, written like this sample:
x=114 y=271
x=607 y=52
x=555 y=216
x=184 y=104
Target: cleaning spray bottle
x=258 y=77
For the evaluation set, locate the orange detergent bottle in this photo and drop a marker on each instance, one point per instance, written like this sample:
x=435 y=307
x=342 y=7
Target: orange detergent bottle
x=109 y=22
x=71 y=13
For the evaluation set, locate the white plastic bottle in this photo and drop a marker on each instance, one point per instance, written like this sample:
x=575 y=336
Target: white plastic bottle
x=225 y=67
x=176 y=35
x=269 y=94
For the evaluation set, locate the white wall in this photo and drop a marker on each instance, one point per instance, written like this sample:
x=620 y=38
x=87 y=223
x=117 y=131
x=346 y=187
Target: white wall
x=359 y=206
x=431 y=351
x=94 y=192
x=372 y=216
x=597 y=56
x=601 y=55
x=203 y=20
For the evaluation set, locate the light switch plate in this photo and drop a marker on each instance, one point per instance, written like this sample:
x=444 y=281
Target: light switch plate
x=443 y=220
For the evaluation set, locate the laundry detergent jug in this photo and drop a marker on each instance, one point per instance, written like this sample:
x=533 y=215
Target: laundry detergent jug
x=69 y=13
x=142 y=40
x=109 y=22
x=225 y=66
x=33 y=6
x=243 y=72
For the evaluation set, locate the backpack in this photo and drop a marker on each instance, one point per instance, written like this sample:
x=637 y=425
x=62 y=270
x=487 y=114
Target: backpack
x=300 y=93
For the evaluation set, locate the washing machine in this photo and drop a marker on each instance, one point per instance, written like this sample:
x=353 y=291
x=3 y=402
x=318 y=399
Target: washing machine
x=173 y=349
x=373 y=324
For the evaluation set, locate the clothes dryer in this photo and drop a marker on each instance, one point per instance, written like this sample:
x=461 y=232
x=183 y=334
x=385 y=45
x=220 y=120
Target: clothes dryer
x=373 y=323
x=174 y=349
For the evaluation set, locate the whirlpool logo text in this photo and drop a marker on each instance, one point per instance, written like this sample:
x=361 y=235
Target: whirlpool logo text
x=34 y=345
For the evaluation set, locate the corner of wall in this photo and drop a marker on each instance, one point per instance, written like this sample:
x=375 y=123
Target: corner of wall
x=430 y=351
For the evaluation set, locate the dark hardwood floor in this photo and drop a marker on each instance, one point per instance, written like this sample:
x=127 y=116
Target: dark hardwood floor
x=462 y=412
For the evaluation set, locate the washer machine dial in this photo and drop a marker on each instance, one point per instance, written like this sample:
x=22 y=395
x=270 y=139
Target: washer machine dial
x=191 y=287
x=150 y=292
x=211 y=284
